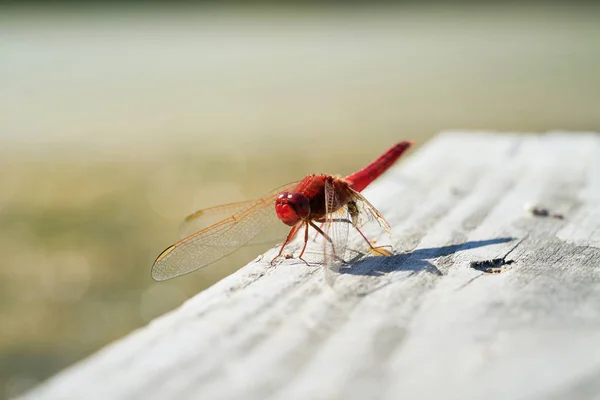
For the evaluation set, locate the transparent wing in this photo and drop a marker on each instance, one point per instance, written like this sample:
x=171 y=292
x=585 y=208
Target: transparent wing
x=361 y=212
x=206 y=217
x=336 y=228
x=222 y=238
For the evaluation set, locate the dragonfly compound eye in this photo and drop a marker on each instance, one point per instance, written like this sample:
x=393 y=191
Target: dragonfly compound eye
x=292 y=207
x=300 y=204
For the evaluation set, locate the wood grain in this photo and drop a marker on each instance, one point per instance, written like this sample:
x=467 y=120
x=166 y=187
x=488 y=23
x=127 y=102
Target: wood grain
x=419 y=324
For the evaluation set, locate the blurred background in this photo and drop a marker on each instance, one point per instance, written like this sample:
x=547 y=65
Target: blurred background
x=116 y=121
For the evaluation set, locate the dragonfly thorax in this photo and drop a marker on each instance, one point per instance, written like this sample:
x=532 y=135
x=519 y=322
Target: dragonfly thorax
x=292 y=207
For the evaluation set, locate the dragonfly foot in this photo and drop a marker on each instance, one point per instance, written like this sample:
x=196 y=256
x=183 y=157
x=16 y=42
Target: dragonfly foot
x=340 y=259
x=305 y=262
x=274 y=259
x=381 y=251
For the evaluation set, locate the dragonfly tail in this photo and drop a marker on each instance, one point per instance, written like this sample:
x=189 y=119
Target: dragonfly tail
x=365 y=176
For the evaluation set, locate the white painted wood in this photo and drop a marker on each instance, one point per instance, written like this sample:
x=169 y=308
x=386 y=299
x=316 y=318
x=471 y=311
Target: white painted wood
x=419 y=324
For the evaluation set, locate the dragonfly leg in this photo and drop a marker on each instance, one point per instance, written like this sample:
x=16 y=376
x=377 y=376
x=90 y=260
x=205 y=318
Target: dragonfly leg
x=328 y=239
x=322 y=221
x=305 y=243
x=288 y=239
x=317 y=233
x=377 y=250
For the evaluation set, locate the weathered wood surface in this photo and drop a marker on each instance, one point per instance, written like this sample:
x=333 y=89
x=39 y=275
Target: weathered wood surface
x=419 y=324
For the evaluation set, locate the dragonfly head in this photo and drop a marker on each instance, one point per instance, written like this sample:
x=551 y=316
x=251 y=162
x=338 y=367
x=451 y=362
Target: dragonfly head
x=292 y=207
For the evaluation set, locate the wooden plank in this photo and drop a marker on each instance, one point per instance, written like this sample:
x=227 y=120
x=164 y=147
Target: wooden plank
x=419 y=324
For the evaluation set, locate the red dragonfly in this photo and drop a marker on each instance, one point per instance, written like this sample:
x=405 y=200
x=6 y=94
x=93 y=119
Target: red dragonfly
x=326 y=203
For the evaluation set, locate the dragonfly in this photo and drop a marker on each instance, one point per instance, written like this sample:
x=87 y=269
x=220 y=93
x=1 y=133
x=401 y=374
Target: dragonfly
x=327 y=204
